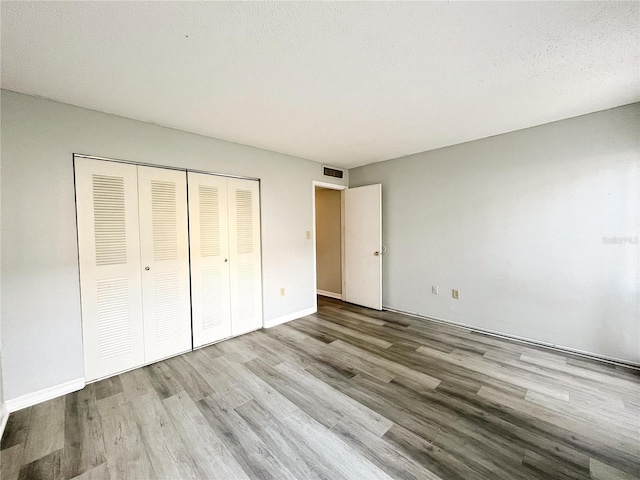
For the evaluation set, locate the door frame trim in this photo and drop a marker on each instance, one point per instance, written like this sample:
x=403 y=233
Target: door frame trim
x=168 y=167
x=331 y=186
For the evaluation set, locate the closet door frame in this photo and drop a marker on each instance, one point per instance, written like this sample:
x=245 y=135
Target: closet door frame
x=77 y=156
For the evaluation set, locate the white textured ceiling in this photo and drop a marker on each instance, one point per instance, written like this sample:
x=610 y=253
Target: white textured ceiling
x=342 y=83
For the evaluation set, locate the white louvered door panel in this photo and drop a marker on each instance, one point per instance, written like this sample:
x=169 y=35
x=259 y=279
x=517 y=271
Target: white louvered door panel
x=244 y=248
x=209 y=258
x=164 y=247
x=109 y=253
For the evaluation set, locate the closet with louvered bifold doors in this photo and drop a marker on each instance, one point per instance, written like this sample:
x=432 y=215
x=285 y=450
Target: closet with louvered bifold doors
x=224 y=222
x=161 y=270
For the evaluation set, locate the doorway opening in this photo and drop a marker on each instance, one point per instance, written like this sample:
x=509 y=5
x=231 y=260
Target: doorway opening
x=328 y=238
x=347 y=243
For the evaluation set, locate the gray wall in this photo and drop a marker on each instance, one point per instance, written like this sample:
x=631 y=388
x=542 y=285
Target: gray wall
x=520 y=223
x=1 y=381
x=41 y=325
x=329 y=239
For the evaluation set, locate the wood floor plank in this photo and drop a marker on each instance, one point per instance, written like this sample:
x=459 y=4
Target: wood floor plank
x=168 y=454
x=431 y=457
x=458 y=445
x=213 y=458
x=46 y=430
x=48 y=467
x=246 y=447
x=126 y=453
x=345 y=405
x=281 y=442
x=225 y=387
x=15 y=431
x=106 y=387
x=254 y=342
x=379 y=452
x=163 y=380
x=277 y=404
x=323 y=412
x=351 y=317
x=411 y=401
x=516 y=376
x=322 y=335
x=101 y=472
x=335 y=452
x=398 y=414
x=547 y=466
x=348 y=332
x=11 y=462
x=83 y=438
x=193 y=383
x=619 y=422
x=602 y=471
x=315 y=354
x=393 y=368
x=580 y=426
x=289 y=443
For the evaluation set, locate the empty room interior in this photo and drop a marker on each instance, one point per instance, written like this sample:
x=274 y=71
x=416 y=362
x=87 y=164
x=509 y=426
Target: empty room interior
x=320 y=240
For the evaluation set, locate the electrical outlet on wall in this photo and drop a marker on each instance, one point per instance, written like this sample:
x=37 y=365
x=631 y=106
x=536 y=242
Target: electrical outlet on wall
x=308 y=235
x=282 y=293
x=455 y=293
x=434 y=289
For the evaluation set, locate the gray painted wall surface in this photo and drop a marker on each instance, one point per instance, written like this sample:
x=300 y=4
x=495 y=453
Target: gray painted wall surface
x=41 y=325
x=1 y=382
x=520 y=224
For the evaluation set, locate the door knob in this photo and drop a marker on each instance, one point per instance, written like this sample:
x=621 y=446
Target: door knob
x=146 y=268
x=225 y=260
x=375 y=254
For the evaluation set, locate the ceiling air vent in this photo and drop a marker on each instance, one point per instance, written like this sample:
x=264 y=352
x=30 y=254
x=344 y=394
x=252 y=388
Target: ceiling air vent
x=332 y=172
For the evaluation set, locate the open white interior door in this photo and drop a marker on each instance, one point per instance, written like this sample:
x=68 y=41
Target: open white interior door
x=363 y=246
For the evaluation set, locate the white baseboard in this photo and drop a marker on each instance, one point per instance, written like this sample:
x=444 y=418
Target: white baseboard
x=40 y=396
x=291 y=316
x=324 y=293
x=4 y=416
x=525 y=340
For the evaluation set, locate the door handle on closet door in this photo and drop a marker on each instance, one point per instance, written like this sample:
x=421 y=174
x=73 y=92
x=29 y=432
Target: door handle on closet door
x=225 y=260
x=146 y=268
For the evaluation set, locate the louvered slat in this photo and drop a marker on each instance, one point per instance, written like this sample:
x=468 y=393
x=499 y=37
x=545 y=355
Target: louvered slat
x=214 y=301
x=114 y=333
x=165 y=233
x=246 y=291
x=109 y=220
x=244 y=220
x=167 y=299
x=209 y=221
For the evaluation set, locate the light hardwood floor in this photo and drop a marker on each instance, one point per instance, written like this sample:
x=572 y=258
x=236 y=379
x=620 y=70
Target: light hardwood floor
x=346 y=393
